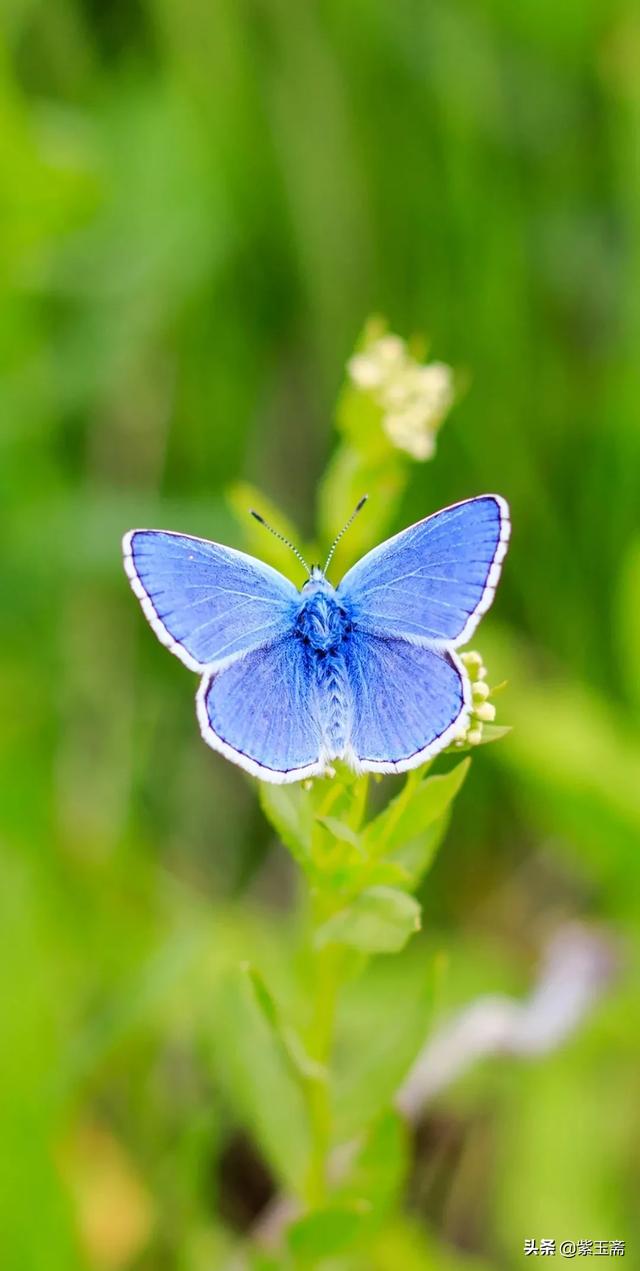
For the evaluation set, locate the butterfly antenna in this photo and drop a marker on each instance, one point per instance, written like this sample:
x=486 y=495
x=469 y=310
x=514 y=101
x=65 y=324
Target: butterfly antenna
x=277 y=534
x=359 y=505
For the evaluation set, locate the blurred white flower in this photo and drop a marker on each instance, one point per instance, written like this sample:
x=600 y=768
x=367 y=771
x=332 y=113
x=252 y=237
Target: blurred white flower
x=414 y=398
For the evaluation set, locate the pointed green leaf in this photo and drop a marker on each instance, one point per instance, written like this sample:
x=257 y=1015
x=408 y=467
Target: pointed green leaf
x=257 y=1077
x=327 y=1232
x=389 y=874
x=290 y=811
x=340 y=831
x=343 y=796
x=361 y=1204
x=370 y=1062
x=493 y=732
x=418 y=805
x=415 y=857
x=490 y=732
x=263 y=996
x=380 y=920
x=380 y=1165
x=303 y=1067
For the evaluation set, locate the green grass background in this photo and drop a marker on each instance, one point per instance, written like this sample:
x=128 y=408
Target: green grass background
x=201 y=202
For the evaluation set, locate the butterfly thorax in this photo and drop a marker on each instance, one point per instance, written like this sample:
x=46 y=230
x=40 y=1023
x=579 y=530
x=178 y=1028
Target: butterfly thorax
x=322 y=622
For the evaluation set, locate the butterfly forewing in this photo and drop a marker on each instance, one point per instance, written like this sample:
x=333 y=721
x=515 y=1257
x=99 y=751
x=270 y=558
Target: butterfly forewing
x=433 y=581
x=206 y=602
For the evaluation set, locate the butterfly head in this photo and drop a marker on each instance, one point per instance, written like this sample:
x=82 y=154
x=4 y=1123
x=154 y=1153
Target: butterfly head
x=317 y=584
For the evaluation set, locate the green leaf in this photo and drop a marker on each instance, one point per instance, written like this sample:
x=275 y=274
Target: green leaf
x=380 y=920
x=260 y=1261
x=363 y=1202
x=490 y=732
x=418 y=805
x=370 y=1062
x=340 y=831
x=290 y=811
x=357 y=801
x=263 y=996
x=389 y=874
x=326 y=1232
x=302 y=1066
x=493 y=732
x=415 y=857
x=256 y=1077
x=343 y=796
x=379 y=1169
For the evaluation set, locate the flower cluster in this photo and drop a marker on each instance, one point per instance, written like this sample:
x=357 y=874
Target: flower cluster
x=482 y=710
x=414 y=398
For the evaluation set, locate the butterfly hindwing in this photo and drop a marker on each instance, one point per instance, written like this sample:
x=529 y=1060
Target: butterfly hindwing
x=262 y=710
x=432 y=582
x=407 y=702
x=207 y=603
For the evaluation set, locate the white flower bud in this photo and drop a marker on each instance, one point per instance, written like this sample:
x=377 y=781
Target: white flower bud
x=365 y=372
x=391 y=350
x=435 y=385
x=480 y=691
x=486 y=711
x=409 y=430
x=472 y=660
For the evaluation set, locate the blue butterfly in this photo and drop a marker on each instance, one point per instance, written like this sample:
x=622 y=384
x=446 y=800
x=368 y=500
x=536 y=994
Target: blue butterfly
x=365 y=672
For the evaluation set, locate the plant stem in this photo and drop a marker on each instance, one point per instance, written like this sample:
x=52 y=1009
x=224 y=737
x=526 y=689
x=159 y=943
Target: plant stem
x=326 y=982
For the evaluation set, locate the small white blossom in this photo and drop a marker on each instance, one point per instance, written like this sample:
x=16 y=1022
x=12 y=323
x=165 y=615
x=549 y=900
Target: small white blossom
x=365 y=372
x=409 y=430
x=486 y=712
x=475 y=666
x=414 y=398
x=480 y=691
x=482 y=710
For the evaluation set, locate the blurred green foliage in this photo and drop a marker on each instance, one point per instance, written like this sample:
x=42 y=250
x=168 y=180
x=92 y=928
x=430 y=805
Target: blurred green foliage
x=201 y=203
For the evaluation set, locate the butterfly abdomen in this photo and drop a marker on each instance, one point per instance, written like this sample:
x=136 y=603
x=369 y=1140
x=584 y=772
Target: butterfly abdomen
x=334 y=698
x=324 y=627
